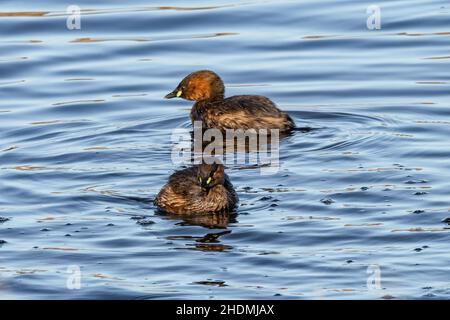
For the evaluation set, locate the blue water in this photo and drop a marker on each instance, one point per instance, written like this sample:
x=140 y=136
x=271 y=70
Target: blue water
x=85 y=145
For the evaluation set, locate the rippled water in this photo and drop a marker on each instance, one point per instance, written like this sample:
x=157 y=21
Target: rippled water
x=85 y=146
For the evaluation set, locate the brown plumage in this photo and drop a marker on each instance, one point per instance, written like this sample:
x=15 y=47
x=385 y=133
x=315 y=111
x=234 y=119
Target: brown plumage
x=237 y=112
x=200 y=189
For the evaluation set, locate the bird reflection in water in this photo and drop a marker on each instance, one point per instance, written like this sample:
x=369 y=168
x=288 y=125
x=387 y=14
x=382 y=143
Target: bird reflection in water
x=210 y=241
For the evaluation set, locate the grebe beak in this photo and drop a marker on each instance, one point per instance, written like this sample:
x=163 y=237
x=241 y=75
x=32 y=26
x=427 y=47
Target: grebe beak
x=174 y=94
x=170 y=95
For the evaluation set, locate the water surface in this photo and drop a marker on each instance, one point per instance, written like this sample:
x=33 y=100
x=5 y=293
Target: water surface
x=85 y=145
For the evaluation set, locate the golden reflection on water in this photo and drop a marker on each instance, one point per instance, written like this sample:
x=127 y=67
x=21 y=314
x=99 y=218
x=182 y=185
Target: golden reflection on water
x=59 y=249
x=24 y=14
x=364 y=35
x=147 y=39
x=119 y=10
x=96 y=148
x=39 y=123
x=105 y=276
x=87 y=39
x=29 y=168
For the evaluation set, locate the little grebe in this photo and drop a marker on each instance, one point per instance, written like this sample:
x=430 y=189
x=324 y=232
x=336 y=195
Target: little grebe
x=203 y=188
x=237 y=112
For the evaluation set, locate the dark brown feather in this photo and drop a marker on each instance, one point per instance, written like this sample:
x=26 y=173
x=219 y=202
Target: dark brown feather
x=242 y=112
x=237 y=112
x=184 y=195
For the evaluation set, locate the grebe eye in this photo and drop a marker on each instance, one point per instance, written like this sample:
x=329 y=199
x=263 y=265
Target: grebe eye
x=179 y=93
x=208 y=181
